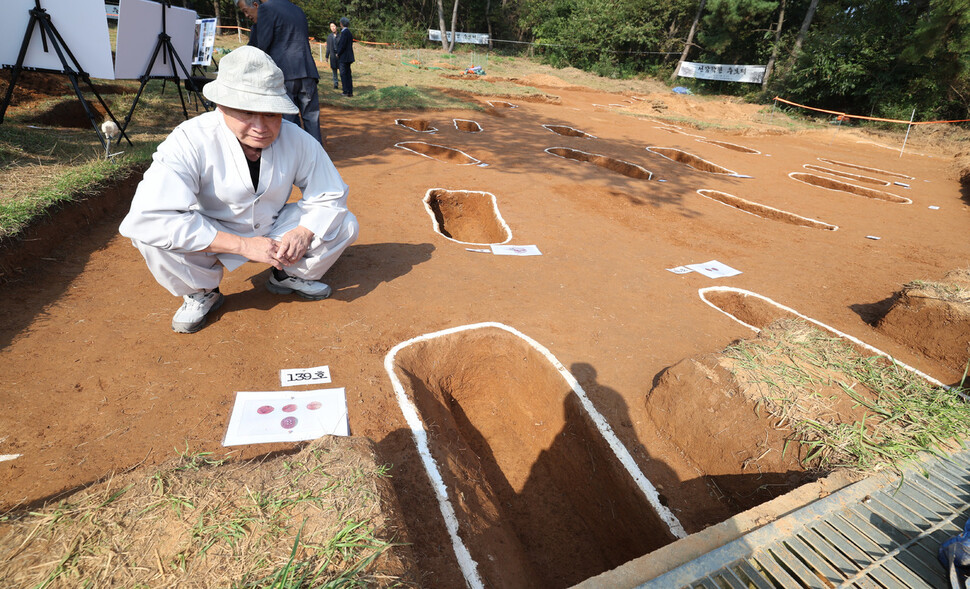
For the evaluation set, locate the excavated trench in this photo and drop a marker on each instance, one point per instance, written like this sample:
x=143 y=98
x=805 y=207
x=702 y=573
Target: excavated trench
x=690 y=160
x=830 y=184
x=855 y=177
x=568 y=131
x=612 y=164
x=731 y=146
x=865 y=168
x=419 y=125
x=501 y=104
x=467 y=216
x=540 y=498
x=765 y=211
x=438 y=152
x=467 y=126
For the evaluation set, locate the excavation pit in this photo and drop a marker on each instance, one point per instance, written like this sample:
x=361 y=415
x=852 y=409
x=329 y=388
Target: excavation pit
x=440 y=153
x=855 y=177
x=501 y=104
x=533 y=485
x=764 y=211
x=612 y=164
x=417 y=125
x=568 y=131
x=466 y=216
x=830 y=184
x=865 y=168
x=676 y=131
x=731 y=146
x=467 y=126
x=690 y=160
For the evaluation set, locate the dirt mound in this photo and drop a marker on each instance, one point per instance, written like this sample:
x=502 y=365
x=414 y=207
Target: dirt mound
x=69 y=113
x=543 y=80
x=33 y=86
x=196 y=522
x=933 y=318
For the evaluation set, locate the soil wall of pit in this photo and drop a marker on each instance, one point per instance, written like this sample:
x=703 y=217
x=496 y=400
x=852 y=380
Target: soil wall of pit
x=540 y=498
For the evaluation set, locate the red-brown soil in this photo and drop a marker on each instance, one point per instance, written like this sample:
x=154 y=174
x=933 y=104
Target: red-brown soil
x=94 y=380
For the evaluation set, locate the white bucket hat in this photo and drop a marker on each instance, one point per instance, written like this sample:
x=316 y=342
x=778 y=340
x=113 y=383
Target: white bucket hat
x=249 y=80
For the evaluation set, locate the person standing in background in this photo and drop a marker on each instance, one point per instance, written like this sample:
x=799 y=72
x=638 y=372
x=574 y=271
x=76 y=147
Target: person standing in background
x=250 y=9
x=283 y=34
x=345 y=56
x=332 y=53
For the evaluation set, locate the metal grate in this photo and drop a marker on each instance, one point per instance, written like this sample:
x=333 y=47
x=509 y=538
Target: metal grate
x=882 y=532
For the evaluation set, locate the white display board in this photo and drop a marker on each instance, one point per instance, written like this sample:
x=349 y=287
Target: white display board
x=81 y=23
x=205 y=40
x=139 y=24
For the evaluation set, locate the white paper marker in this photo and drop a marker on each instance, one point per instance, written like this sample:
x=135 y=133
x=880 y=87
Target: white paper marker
x=934 y=207
x=481 y=251
x=294 y=376
x=680 y=270
x=903 y=184
x=872 y=237
x=515 y=250
x=286 y=416
x=6 y=457
x=714 y=269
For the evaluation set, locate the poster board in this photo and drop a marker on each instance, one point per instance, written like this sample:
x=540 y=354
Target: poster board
x=139 y=24
x=751 y=74
x=205 y=41
x=81 y=23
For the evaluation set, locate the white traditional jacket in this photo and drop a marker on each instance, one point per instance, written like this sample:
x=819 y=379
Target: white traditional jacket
x=199 y=183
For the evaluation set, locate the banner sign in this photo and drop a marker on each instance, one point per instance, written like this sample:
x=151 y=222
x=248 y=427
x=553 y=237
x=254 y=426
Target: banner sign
x=205 y=41
x=752 y=74
x=473 y=38
x=111 y=11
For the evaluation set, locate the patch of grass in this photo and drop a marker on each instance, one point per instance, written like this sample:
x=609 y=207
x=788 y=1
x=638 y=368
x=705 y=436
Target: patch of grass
x=944 y=291
x=409 y=98
x=850 y=411
x=309 y=520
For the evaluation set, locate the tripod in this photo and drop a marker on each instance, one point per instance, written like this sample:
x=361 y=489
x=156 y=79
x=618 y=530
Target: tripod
x=48 y=32
x=170 y=56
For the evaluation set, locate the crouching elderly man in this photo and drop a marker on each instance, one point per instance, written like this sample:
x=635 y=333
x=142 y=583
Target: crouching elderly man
x=216 y=195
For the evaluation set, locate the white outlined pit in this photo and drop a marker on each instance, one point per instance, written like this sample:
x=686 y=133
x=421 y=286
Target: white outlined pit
x=501 y=104
x=764 y=211
x=856 y=177
x=466 y=216
x=612 y=164
x=440 y=153
x=690 y=160
x=550 y=459
x=568 y=131
x=830 y=184
x=467 y=125
x=416 y=125
x=731 y=146
x=865 y=168
x=677 y=131
x=756 y=311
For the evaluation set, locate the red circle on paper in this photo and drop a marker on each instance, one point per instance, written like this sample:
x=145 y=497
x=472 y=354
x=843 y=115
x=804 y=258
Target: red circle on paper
x=288 y=423
x=314 y=405
x=289 y=408
x=265 y=409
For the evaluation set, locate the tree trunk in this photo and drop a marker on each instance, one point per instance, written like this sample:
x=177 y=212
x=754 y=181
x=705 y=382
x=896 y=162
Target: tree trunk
x=774 y=49
x=797 y=48
x=215 y=7
x=441 y=25
x=488 y=22
x=690 y=39
x=454 y=26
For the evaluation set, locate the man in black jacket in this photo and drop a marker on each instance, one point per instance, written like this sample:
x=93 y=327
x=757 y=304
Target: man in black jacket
x=345 y=56
x=283 y=34
x=332 y=53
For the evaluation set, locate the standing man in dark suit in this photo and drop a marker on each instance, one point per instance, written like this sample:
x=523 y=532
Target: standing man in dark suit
x=283 y=34
x=345 y=56
x=250 y=8
x=332 y=53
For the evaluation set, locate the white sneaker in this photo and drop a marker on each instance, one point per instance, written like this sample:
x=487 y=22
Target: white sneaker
x=191 y=315
x=308 y=289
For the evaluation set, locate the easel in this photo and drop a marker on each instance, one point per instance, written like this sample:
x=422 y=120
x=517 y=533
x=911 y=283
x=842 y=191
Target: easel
x=39 y=17
x=170 y=56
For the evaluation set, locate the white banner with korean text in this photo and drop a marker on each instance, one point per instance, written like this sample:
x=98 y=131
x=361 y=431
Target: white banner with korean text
x=473 y=38
x=752 y=74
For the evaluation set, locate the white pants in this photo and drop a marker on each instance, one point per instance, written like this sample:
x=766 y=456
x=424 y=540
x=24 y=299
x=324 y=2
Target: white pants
x=185 y=273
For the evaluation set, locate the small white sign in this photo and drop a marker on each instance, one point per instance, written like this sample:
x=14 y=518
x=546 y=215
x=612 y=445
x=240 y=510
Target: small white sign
x=280 y=416
x=680 y=270
x=714 y=269
x=515 y=250
x=294 y=376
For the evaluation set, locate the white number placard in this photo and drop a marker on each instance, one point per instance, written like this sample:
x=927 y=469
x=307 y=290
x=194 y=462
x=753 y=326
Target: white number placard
x=294 y=376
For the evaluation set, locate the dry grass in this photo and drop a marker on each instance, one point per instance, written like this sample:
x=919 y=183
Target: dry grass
x=325 y=514
x=954 y=288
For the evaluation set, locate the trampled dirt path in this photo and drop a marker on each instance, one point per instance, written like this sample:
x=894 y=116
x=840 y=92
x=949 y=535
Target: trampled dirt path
x=93 y=379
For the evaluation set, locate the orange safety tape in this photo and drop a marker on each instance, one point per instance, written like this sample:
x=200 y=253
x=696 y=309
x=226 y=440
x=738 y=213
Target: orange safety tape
x=240 y=28
x=845 y=115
